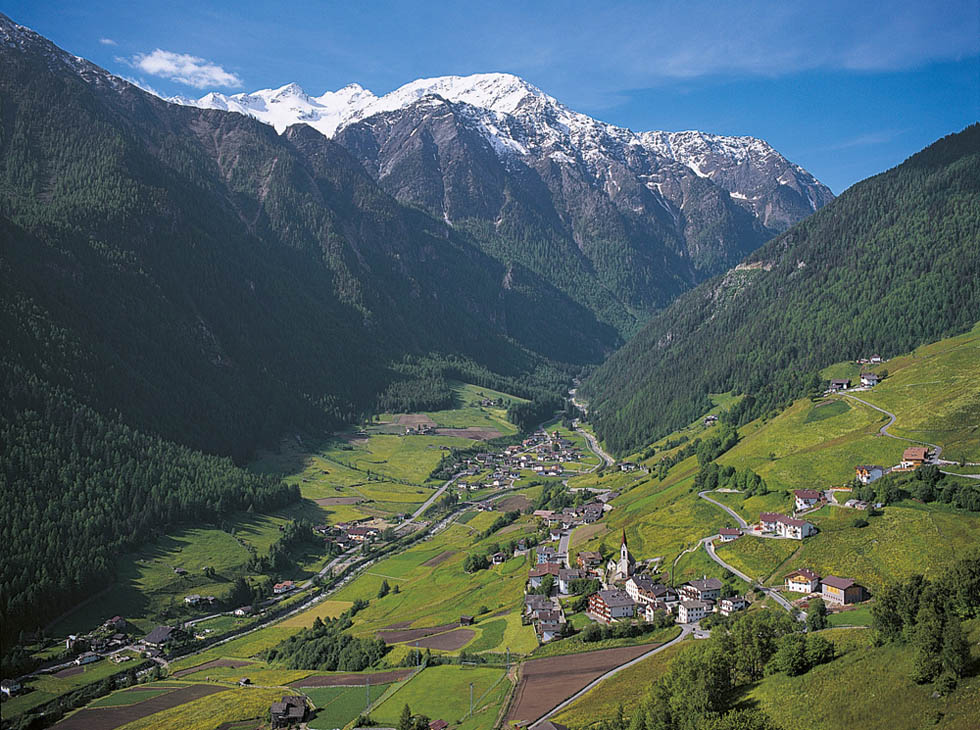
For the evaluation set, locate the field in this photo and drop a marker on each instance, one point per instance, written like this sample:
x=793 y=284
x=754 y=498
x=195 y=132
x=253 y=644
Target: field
x=442 y=692
x=337 y=706
x=108 y=718
x=759 y=558
x=546 y=682
x=574 y=645
x=210 y=712
x=244 y=647
x=130 y=696
x=360 y=679
x=624 y=690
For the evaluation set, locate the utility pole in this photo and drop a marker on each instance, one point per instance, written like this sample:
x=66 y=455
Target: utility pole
x=471 y=699
x=367 y=692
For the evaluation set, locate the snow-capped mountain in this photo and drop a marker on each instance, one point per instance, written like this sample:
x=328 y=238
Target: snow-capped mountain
x=519 y=120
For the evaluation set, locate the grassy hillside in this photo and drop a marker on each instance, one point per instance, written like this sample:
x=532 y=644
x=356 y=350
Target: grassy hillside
x=888 y=266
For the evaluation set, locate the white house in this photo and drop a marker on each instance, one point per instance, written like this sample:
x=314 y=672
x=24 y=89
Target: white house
x=10 y=687
x=803 y=580
x=786 y=526
x=870 y=379
x=867 y=473
x=611 y=604
x=565 y=578
x=806 y=498
x=727 y=534
x=702 y=589
x=728 y=606
x=690 y=611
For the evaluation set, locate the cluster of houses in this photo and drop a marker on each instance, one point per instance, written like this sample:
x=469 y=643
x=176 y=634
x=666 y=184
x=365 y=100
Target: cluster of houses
x=836 y=590
x=196 y=599
x=784 y=526
x=346 y=535
x=542 y=453
x=866 y=380
x=546 y=615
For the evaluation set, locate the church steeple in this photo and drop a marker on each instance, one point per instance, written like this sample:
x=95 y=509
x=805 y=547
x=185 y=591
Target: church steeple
x=624 y=537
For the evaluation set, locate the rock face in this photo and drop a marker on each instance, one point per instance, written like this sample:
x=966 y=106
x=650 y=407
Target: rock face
x=621 y=221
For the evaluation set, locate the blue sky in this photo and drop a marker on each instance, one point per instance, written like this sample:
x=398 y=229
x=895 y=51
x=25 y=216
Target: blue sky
x=844 y=90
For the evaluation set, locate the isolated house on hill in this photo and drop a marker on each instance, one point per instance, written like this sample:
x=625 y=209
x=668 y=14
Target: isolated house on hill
x=867 y=473
x=841 y=590
x=806 y=498
x=290 y=711
x=914 y=457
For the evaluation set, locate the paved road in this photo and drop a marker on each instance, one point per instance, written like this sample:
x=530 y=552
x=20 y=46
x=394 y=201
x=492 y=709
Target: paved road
x=937 y=450
x=563 y=547
x=709 y=546
x=741 y=523
x=685 y=630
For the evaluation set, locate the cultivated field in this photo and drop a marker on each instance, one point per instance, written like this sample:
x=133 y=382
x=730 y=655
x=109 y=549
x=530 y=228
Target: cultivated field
x=108 y=718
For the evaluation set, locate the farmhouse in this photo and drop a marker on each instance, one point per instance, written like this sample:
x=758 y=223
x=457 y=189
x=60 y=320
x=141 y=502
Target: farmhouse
x=914 y=457
x=841 y=590
x=690 y=611
x=728 y=534
x=291 y=711
x=547 y=630
x=786 y=526
x=803 y=580
x=87 y=658
x=627 y=466
x=806 y=498
x=285 y=587
x=710 y=419
x=728 y=606
x=704 y=589
x=867 y=473
x=611 y=604
x=160 y=636
x=836 y=385
x=498 y=558
x=538 y=572
x=588 y=559
x=243 y=611
x=870 y=379
x=10 y=687
x=565 y=578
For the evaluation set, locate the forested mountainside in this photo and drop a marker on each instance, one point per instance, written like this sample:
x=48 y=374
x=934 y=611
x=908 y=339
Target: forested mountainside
x=174 y=278
x=621 y=221
x=892 y=263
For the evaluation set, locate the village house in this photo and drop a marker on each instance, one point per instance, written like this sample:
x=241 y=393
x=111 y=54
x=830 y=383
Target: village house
x=727 y=534
x=438 y=725
x=869 y=380
x=643 y=589
x=610 y=605
x=87 y=658
x=806 y=498
x=535 y=602
x=843 y=384
x=565 y=578
x=160 y=636
x=703 y=589
x=841 y=591
x=554 y=534
x=690 y=611
x=116 y=623
x=538 y=572
x=285 y=587
x=803 y=580
x=731 y=604
x=290 y=711
x=710 y=419
x=10 y=687
x=243 y=611
x=914 y=457
x=546 y=554
x=866 y=473
x=498 y=558
x=786 y=526
x=627 y=466
x=588 y=560
x=547 y=630
x=875 y=359
x=649 y=610
x=856 y=504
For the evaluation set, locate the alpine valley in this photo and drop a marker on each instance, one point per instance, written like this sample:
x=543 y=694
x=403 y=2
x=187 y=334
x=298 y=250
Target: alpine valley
x=456 y=408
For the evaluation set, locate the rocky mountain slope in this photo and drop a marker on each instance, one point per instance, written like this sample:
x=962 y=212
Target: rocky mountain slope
x=621 y=221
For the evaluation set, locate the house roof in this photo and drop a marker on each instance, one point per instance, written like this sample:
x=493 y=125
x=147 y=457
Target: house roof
x=569 y=573
x=840 y=583
x=729 y=531
x=615 y=598
x=438 y=725
x=642 y=582
x=694 y=604
x=807 y=493
x=916 y=452
x=805 y=573
x=545 y=569
x=866 y=467
x=705 y=584
x=159 y=635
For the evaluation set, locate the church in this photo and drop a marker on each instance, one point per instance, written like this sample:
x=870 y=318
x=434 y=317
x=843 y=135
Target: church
x=621 y=569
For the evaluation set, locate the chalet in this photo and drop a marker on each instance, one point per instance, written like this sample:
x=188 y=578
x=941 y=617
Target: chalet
x=160 y=636
x=856 y=504
x=498 y=558
x=538 y=572
x=180 y=571
x=243 y=611
x=869 y=380
x=727 y=534
x=690 y=611
x=547 y=630
x=728 y=606
x=588 y=560
x=841 y=590
x=291 y=711
x=836 y=385
x=285 y=587
x=704 y=589
x=87 y=658
x=914 y=457
x=592 y=512
x=545 y=514
x=565 y=578
x=438 y=725
x=867 y=473
x=610 y=605
x=534 y=603
x=806 y=498
x=10 y=687
x=786 y=526
x=875 y=359
x=710 y=419
x=193 y=599
x=555 y=534
x=803 y=580
x=546 y=554
x=627 y=466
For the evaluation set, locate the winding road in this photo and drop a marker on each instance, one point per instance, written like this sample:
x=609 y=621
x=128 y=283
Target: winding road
x=891 y=420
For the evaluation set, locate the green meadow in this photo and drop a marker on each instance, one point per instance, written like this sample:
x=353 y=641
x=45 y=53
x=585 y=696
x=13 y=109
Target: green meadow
x=337 y=706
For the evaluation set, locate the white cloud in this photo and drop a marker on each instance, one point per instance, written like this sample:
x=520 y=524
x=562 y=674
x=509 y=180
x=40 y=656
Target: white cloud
x=107 y=42
x=184 y=69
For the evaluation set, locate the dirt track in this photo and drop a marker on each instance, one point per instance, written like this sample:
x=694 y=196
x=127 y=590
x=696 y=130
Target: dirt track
x=351 y=680
x=108 y=718
x=546 y=682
